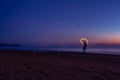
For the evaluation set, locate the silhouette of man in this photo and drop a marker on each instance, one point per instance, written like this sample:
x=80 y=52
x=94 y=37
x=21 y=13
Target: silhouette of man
x=84 y=47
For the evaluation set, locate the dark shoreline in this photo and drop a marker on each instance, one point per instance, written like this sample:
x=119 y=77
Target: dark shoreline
x=65 y=54
x=55 y=52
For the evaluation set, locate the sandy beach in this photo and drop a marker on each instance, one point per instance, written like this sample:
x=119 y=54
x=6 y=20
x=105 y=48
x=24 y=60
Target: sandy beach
x=49 y=65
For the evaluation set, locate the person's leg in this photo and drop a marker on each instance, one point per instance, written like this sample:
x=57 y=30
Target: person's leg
x=82 y=50
x=85 y=50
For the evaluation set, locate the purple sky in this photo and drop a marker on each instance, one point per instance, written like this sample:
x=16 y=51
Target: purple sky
x=50 y=22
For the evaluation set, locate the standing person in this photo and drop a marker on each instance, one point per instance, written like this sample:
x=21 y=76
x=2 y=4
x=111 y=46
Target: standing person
x=84 y=42
x=84 y=47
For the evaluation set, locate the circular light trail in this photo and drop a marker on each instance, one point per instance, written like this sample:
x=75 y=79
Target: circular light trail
x=82 y=40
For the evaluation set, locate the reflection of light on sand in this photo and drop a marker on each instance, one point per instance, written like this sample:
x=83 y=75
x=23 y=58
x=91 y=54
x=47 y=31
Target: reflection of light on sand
x=82 y=40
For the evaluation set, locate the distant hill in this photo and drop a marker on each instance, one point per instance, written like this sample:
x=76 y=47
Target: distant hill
x=10 y=45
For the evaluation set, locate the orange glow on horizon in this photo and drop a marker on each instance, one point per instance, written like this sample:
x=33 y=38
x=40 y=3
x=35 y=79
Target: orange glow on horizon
x=106 y=39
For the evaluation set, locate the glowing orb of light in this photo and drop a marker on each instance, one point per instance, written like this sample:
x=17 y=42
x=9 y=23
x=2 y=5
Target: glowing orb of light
x=82 y=40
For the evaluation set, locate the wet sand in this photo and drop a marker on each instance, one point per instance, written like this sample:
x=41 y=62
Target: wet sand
x=48 y=65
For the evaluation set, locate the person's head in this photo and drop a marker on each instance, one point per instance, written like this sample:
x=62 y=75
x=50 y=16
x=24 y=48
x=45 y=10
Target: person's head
x=84 y=42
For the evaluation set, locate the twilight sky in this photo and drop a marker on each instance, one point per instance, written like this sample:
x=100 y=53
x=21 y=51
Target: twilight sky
x=48 y=22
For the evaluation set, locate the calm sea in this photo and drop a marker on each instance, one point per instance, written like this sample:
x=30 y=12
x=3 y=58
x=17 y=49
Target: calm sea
x=115 y=51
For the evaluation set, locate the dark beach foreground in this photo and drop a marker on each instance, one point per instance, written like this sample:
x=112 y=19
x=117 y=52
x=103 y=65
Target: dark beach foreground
x=51 y=65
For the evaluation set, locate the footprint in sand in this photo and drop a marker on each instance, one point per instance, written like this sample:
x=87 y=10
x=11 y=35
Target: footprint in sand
x=97 y=78
x=39 y=78
x=16 y=79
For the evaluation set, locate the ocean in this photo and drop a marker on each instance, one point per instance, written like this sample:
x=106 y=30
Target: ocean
x=115 y=51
